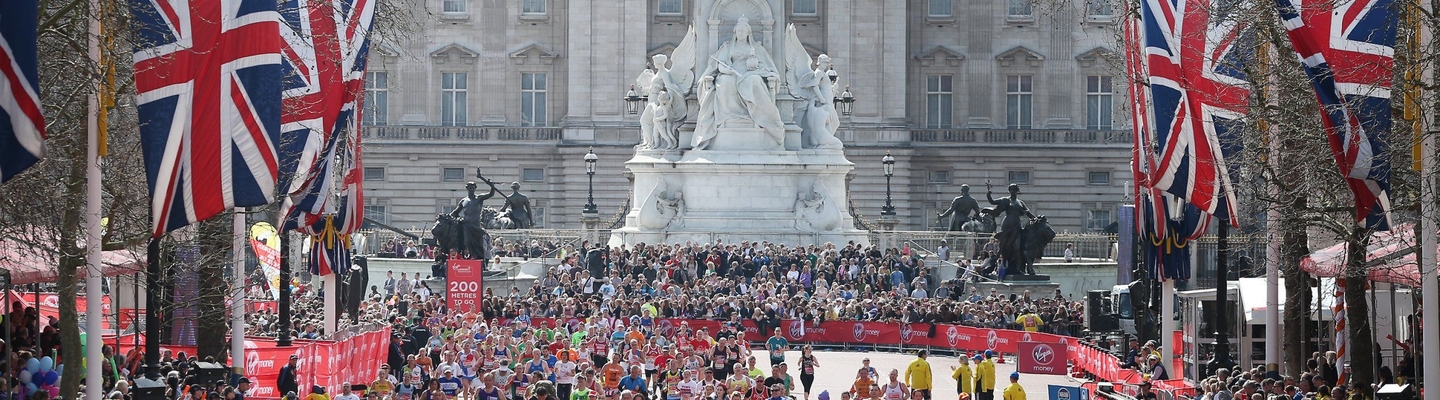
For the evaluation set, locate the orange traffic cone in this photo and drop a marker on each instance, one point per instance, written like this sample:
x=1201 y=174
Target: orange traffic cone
x=999 y=358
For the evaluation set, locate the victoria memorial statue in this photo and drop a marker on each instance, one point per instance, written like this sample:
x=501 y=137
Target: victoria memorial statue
x=738 y=137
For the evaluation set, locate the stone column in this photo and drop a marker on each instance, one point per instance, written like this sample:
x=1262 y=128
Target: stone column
x=887 y=230
x=591 y=222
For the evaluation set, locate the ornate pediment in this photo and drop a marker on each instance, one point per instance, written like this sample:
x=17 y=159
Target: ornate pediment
x=940 y=55
x=544 y=54
x=1020 y=56
x=1097 y=56
x=454 y=53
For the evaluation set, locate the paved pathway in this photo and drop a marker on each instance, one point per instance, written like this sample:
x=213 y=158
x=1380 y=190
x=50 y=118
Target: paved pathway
x=837 y=372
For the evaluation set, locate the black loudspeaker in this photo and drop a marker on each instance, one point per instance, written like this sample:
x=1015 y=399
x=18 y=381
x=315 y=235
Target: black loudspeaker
x=208 y=372
x=1396 y=392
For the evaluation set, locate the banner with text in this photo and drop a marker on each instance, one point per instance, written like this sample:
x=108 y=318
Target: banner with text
x=465 y=280
x=1042 y=358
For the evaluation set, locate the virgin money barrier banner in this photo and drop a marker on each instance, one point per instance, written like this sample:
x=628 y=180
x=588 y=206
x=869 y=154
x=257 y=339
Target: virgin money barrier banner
x=321 y=362
x=957 y=337
x=465 y=282
x=1042 y=358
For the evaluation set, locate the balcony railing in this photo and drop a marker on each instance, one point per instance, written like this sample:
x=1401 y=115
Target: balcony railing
x=462 y=133
x=1020 y=136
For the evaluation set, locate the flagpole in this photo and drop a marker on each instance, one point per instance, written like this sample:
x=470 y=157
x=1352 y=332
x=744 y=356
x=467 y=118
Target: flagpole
x=93 y=273
x=1272 y=226
x=1426 y=258
x=237 y=305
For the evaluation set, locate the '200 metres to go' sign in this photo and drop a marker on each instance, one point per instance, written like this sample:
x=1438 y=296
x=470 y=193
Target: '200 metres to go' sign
x=465 y=283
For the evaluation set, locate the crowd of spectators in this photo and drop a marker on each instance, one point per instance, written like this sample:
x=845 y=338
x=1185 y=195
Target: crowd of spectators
x=768 y=282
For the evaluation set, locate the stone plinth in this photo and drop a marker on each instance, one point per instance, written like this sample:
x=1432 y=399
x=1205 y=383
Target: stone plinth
x=738 y=195
x=1037 y=288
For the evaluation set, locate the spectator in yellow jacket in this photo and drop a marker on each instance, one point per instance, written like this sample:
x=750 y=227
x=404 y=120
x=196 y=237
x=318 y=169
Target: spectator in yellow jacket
x=918 y=375
x=1014 y=391
x=985 y=377
x=964 y=382
x=1030 y=321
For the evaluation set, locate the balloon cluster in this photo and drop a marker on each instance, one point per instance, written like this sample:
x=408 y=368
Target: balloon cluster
x=41 y=374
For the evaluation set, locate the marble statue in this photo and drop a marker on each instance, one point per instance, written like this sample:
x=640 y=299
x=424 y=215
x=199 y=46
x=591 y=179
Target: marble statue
x=737 y=89
x=667 y=88
x=816 y=113
x=517 y=207
x=814 y=212
x=962 y=209
x=662 y=209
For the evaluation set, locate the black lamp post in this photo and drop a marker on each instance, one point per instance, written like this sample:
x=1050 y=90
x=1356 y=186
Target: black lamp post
x=889 y=162
x=633 y=101
x=590 y=159
x=1222 y=294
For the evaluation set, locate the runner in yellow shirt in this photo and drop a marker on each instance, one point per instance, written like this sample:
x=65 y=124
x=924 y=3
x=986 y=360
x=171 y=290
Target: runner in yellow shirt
x=985 y=377
x=1030 y=321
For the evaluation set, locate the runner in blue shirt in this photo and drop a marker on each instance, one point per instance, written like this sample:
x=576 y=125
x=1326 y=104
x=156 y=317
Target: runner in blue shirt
x=777 y=346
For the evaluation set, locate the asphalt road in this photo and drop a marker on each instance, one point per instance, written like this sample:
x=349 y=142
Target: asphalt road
x=837 y=372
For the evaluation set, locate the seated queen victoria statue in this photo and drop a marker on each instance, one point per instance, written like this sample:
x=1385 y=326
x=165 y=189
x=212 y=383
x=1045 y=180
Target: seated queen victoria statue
x=737 y=89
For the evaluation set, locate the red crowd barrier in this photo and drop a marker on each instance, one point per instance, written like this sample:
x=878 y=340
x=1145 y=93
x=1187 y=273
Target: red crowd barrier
x=325 y=363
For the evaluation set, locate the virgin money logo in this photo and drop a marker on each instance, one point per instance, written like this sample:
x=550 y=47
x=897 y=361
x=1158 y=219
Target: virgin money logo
x=1063 y=341
x=1026 y=338
x=253 y=362
x=1043 y=354
x=50 y=301
x=990 y=339
x=797 y=329
x=907 y=333
x=861 y=333
x=952 y=336
x=463 y=269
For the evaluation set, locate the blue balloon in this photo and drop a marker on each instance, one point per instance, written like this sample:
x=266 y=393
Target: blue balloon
x=32 y=388
x=25 y=376
x=50 y=378
x=32 y=365
x=47 y=364
x=60 y=369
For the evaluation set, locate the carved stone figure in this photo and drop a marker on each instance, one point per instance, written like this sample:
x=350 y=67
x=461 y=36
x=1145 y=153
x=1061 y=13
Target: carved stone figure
x=738 y=90
x=816 y=115
x=814 y=212
x=494 y=219
x=1011 y=212
x=961 y=210
x=667 y=89
x=662 y=209
x=472 y=237
x=517 y=207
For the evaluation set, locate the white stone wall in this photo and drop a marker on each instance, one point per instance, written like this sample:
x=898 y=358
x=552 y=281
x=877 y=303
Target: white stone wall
x=592 y=50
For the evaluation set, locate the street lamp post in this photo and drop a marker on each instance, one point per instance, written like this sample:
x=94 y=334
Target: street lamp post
x=889 y=162
x=590 y=159
x=843 y=102
x=634 y=101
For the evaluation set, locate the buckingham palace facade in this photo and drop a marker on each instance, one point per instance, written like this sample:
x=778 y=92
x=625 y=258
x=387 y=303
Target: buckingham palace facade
x=958 y=91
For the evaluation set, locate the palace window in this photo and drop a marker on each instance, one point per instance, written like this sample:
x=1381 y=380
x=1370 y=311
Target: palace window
x=532 y=99
x=453 y=98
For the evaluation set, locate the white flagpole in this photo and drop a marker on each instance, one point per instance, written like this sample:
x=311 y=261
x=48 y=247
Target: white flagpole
x=1274 y=236
x=93 y=272
x=237 y=305
x=1427 y=256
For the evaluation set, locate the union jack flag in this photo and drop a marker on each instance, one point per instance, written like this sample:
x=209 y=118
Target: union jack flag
x=209 y=105
x=1348 y=49
x=1195 y=54
x=325 y=49
x=352 y=192
x=22 y=122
